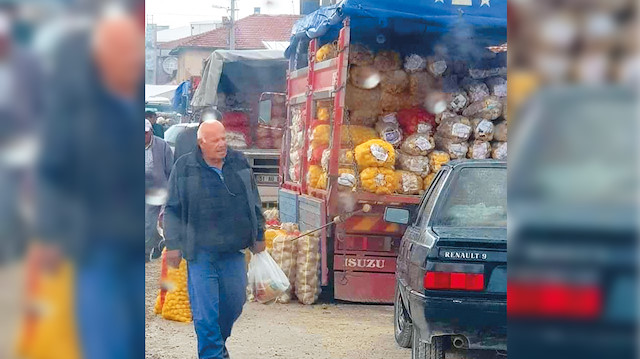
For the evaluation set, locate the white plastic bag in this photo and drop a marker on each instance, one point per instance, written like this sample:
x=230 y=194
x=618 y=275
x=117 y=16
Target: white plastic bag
x=266 y=280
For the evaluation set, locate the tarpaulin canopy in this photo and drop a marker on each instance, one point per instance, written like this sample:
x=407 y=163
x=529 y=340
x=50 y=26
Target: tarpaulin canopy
x=255 y=67
x=482 y=21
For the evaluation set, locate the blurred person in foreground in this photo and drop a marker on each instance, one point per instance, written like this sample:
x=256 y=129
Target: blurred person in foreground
x=158 y=160
x=152 y=117
x=90 y=182
x=187 y=141
x=213 y=212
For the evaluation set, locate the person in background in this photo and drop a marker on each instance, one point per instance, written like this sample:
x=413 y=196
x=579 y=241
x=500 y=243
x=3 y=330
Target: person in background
x=186 y=141
x=157 y=128
x=158 y=160
x=212 y=213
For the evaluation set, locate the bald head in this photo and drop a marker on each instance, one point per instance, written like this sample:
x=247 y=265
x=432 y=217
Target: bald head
x=212 y=141
x=118 y=51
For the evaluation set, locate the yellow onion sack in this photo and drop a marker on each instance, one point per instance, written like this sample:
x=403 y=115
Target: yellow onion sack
x=437 y=159
x=327 y=52
x=176 y=304
x=357 y=134
x=323 y=180
x=379 y=180
x=375 y=153
x=427 y=180
x=308 y=269
x=313 y=175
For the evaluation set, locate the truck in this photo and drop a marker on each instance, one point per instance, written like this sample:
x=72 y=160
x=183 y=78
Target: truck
x=358 y=247
x=236 y=82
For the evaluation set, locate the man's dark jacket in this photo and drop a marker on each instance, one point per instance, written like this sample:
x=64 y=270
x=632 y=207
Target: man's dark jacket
x=186 y=190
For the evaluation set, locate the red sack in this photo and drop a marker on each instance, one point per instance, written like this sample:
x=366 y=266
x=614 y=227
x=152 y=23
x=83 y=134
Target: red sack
x=235 y=119
x=409 y=120
x=315 y=154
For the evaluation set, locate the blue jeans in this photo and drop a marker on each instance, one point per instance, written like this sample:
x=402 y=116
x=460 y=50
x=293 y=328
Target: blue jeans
x=110 y=304
x=217 y=291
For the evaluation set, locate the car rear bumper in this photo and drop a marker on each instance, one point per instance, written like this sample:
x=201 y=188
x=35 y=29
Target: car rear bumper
x=483 y=322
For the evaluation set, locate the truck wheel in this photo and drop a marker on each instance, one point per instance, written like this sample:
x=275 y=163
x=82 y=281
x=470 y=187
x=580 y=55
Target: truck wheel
x=421 y=350
x=402 y=322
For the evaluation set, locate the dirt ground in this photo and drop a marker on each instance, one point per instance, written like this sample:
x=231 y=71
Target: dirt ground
x=283 y=331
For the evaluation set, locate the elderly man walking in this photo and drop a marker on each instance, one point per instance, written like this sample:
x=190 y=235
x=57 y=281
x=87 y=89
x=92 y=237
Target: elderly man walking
x=158 y=160
x=213 y=212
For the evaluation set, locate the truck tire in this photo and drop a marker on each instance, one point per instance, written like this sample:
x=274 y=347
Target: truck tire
x=422 y=350
x=403 y=328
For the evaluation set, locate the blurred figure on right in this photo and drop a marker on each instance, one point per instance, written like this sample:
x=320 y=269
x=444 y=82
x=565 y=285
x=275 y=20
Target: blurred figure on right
x=573 y=180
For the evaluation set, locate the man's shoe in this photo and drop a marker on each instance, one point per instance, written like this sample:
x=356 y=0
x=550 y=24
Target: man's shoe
x=155 y=253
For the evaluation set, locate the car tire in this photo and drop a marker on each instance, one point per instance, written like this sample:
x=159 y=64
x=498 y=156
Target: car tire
x=403 y=328
x=422 y=350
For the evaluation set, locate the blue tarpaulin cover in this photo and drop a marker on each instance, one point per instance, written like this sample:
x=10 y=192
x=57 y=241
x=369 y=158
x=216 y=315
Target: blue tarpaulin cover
x=483 y=22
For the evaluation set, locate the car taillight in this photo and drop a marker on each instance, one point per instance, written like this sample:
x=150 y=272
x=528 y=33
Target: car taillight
x=454 y=281
x=555 y=300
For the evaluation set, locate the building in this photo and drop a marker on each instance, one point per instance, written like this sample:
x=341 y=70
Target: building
x=252 y=32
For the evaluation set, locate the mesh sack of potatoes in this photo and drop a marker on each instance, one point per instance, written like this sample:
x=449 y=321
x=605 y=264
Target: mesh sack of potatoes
x=437 y=159
x=497 y=86
x=418 y=144
x=392 y=102
x=360 y=99
x=444 y=115
x=375 y=153
x=345 y=158
x=488 y=108
x=505 y=113
x=308 y=269
x=499 y=151
x=408 y=183
x=389 y=131
x=476 y=90
x=426 y=181
x=365 y=117
x=396 y=81
x=416 y=164
x=360 y=55
x=420 y=84
x=327 y=52
x=456 y=149
x=457 y=101
x=387 y=61
x=415 y=63
x=176 y=302
x=500 y=132
x=313 y=175
x=364 y=77
x=457 y=128
x=357 y=135
x=479 y=150
x=379 y=180
x=284 y=253
x=436 y=66
x=347 y=180
x=482 y=129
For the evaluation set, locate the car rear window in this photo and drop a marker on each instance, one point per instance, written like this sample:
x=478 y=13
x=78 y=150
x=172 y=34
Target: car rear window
x=476 y=197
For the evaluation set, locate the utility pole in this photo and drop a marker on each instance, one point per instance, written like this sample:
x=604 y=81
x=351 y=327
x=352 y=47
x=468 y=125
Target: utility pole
x=232 y=22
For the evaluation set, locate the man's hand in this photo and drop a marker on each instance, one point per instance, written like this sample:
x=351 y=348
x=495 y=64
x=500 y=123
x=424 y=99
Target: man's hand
x=258 y=247
x=47 y=256
x=173 y=258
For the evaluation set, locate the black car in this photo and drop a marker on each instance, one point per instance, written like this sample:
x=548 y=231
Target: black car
x=451 y=274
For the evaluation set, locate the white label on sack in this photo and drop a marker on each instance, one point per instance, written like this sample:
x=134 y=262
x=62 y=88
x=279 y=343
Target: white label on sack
x=458 y=149
x=485 y=127
x=392 y=136
x=424 y=128
x=390 y=118
x=460 y=130
x=347 y=180
x=379 y=152
x=481 y=150
x=459 y=102
x=409 y=183
x=423 y=144
x=380 y=180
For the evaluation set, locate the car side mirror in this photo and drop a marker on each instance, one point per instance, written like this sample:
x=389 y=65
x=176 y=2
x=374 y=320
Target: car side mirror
x=396 y=215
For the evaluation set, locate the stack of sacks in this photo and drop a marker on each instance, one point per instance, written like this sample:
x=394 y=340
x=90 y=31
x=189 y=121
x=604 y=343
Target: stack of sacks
x=421 y=82
x=272 y=217
x=176 y=303
x=284 y=253
x=297 y=143
x=307 y=285
x=238 y=129
x=376 y=160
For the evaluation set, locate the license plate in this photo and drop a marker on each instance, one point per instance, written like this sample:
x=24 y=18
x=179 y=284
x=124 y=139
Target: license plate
x=267 y=178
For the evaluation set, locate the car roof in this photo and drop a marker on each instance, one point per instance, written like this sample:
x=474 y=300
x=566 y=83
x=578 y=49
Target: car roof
x=476 y=163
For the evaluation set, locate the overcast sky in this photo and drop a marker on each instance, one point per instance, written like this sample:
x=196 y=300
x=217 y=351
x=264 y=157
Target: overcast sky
x=176 y=13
